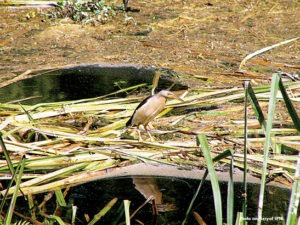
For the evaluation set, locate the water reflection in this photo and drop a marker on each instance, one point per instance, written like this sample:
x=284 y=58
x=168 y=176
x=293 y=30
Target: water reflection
x=175 y=196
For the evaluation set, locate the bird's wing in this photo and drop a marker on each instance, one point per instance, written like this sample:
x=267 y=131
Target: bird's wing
x=158 y=106
x=129 y=122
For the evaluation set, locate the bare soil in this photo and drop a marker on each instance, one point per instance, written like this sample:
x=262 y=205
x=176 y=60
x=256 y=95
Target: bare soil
x=203 y=39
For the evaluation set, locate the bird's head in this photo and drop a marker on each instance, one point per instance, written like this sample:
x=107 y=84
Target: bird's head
x=170 y=94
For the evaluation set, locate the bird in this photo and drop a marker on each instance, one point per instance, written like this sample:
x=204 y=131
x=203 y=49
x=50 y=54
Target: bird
x=148 y=109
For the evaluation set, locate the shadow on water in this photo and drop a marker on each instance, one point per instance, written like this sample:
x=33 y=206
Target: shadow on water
x=85 y=81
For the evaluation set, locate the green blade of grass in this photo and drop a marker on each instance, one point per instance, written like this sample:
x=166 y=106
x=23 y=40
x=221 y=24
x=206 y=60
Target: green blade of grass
x=57 y=219
x=271 y=110
x=6 y=155
x=239 y=218
x=31 y=206
x=230 y=193
x=215 y=159
x=194 y=197
x=222 y=155
x=60 y=199
x=295 y=196
x=118 y=215
x=5 y=194
x=292 y=111
x=74 y=211
x=256 y=107
x=15 y=194
x=30 y=118
x=12 y=171
x=103 y=211
x=213 y=176
x=127 y=212
x=248 y=91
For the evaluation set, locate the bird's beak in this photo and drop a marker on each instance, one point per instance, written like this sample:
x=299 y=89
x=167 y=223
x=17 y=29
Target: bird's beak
x=175 y=97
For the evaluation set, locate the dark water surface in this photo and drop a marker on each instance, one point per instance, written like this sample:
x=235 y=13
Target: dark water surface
x=176 y=193
x=86 y=81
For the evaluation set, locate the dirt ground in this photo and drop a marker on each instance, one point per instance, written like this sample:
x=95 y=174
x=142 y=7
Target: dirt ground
x=204 y=41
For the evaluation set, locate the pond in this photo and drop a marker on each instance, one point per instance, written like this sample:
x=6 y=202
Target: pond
x=83 y=81
x=172 y=196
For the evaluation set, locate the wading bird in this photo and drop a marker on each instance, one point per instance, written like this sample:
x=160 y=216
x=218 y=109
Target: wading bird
x=148 y=109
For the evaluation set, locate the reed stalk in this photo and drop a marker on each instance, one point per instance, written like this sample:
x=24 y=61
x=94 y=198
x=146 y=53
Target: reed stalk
x=246 y=87
x=6 y=155
x=103 y=211
x=290 y=107
x=295 y=197
x=56 y=219
x=265 y=50
x=127 y=212
x=10 y=211
x=221 y=156
x=213 y=176
x=230 y=192
x=271 y=110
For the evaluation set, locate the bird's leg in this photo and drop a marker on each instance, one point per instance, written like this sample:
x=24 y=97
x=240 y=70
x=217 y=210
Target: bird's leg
x=139 y=132
x=150 y=126
x=148 y=132
x=151 y=138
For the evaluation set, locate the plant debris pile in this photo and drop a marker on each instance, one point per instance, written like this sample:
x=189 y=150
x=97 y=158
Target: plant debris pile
x=95 y=11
